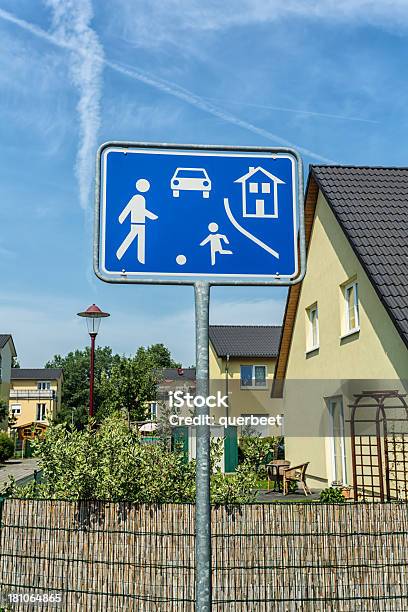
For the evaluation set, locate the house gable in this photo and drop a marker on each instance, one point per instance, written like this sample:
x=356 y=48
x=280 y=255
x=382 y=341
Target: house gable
x=379 y=350
x=7 y=352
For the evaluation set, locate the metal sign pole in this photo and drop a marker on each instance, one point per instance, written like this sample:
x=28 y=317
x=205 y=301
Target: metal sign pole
x=203 y=508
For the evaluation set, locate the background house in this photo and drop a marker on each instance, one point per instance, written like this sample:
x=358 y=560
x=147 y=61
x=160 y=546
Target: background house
x=172 y=379
x=35 y=395
x=7 y=352
x=242 y=365
x=184 y=436
x=346 y=325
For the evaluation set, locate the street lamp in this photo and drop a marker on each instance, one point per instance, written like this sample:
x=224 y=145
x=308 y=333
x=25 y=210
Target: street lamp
x=93 y=316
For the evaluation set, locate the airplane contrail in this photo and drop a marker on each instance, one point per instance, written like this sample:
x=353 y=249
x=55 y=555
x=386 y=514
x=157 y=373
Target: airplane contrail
x=194 y=100
x=296 y=111
x=71 y=22
x=164 y=86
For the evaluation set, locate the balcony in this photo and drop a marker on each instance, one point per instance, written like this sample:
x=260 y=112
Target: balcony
x=39 y=394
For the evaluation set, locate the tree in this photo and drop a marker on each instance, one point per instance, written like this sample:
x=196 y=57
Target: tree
x=159 y=355
x=129 y=388
x=3 y=409
x=75 y=418
x=121 y=383
x=6 y=447
x=75 y=388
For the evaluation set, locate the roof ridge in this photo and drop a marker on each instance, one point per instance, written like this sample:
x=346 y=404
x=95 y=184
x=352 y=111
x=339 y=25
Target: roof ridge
x=242 y=325
x=364 y=167
x=180 y=368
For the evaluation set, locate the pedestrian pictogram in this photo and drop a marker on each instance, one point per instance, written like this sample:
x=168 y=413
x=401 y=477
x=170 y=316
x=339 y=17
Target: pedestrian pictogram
x=136 y=210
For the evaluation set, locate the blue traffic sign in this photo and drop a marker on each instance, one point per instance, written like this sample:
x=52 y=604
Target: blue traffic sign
x=198 y=213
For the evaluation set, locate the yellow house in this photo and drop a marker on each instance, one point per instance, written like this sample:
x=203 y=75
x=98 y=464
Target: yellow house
x=242 y=362
x=35 y=395
x=7 y=352
x=345 y=333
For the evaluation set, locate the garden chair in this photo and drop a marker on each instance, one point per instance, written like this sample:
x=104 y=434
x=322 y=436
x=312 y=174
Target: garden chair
x=296 y=474
x=274 y=472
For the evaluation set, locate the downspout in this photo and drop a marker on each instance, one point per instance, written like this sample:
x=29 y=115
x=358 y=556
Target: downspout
x=226 y=386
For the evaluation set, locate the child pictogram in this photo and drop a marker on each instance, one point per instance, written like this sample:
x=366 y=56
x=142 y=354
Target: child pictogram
x=215 y=241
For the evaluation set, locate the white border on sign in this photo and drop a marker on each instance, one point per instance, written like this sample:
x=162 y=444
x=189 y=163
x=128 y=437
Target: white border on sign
x=203 y=275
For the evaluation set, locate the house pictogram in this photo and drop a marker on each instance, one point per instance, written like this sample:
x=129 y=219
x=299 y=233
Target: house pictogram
x=259 y=193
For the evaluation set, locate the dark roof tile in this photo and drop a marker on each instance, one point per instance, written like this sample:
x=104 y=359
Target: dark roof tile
x=177 y=374
x=4 y=338
x=35 y=373
x=371 y=205
x=245 y=340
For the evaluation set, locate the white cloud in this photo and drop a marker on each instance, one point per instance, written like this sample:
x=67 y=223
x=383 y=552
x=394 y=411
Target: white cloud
x=45 y=325
x=248 y=312
x=71 y=26
x=156 y=21
x=89 y=120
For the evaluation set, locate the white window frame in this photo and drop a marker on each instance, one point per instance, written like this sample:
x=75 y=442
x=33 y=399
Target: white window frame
x=331 y=402
x=253 y=366
x=266 y=188
x=43 y=385
x=253 y=187
x=41 y=413
x=15 y=409
x=310 y=344
x=347 y=329
x=153 y=412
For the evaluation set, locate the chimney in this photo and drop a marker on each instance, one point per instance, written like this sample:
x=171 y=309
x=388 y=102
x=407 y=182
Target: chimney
x=251 y=168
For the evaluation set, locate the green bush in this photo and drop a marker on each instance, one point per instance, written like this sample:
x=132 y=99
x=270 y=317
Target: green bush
x=332 y=495
x=256 y=452
x=6 y=447
x=112 y=463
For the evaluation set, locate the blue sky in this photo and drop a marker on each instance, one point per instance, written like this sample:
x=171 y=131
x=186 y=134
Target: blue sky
x=325 y=77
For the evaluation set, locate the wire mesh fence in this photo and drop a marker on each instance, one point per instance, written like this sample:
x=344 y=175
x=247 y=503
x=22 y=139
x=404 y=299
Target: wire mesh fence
x=105 y=556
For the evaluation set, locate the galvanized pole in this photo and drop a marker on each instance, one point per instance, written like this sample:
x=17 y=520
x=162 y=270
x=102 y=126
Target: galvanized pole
x=203 y=509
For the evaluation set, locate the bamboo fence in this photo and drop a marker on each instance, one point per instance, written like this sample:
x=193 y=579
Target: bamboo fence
x=104 y=556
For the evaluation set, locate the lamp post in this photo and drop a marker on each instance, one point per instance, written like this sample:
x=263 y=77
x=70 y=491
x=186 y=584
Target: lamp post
x=93 y=316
